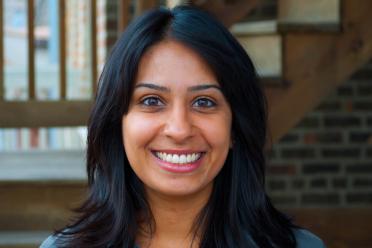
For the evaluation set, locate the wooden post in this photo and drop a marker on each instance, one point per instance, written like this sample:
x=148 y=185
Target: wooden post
x=143 y=5
x=2 y=91
x=62 y=48
x=93 y=33
x=31 y=49
x=124 y=15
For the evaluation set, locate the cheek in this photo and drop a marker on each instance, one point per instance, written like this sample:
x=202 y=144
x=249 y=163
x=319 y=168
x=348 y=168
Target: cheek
x=217 y=132
x=137 y=131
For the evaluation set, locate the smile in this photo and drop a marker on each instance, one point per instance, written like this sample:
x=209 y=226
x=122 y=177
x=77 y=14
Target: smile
x=178 y=158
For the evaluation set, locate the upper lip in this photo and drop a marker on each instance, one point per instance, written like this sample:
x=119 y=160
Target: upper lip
x=172 y=151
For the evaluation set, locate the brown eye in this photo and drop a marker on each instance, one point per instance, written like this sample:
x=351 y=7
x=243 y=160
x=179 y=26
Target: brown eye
x=152 y=101
x=204 y=103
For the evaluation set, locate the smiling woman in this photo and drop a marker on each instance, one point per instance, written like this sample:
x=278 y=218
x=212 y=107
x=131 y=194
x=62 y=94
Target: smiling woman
x=175 y=144
x=187 y=121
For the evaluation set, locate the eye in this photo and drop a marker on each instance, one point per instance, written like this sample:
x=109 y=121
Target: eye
x=204 y=103
x=152 y=101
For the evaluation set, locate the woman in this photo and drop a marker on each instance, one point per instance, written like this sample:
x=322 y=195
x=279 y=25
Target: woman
x=175 y=144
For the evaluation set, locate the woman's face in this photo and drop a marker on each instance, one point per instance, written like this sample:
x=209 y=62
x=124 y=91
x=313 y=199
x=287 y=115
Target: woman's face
x=176 y=133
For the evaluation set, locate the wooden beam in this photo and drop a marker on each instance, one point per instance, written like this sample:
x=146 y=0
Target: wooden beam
x=315 y=64
x=62 y=48
x=304 y=11
x=48 y=204
x=93 y=33
x=31 y=49
x=265 y=52
x=124 y=15
x=44 y=113
x=309 y=16
x=330 y=223
x=173 y=3
x=143 y=5
x=228 y=13
x=2 y=64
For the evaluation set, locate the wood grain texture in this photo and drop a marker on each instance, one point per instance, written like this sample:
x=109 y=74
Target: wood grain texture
x=31 y=49
x=317 y=63
x=38 y=206
x=2 y=89
x=305 y=11
x=143 y=5
x=93 y=50
x=337 y=227
x=44 y=113
x=124 y=15
x=228 y=13
x=62 y=48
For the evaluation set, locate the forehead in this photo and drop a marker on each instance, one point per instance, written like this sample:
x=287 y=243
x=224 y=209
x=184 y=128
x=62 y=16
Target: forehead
x=171 y=63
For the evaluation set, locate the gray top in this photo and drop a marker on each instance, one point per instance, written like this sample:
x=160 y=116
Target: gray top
x=305 y=239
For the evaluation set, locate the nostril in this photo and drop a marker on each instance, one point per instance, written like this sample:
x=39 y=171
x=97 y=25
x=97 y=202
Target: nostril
x=178 y=129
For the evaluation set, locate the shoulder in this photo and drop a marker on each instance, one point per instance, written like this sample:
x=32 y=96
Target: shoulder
x=306 y=239
x=49 y=242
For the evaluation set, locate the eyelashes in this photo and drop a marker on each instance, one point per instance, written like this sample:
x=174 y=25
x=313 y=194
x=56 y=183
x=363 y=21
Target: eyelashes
x=204 y=102
x=200 y=102
x=151 y=101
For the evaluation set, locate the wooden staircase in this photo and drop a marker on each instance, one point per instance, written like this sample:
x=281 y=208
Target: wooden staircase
x=37 y=199
x=309 y=50
x=302 y=55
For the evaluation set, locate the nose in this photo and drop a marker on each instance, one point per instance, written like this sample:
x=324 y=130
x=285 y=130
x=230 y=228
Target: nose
x=178 y=125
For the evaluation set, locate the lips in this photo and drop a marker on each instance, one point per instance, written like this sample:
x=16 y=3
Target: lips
x=178 y=161
x=178 y=158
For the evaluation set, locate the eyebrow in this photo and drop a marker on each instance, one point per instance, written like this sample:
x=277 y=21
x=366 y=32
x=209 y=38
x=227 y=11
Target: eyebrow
x=165 y=89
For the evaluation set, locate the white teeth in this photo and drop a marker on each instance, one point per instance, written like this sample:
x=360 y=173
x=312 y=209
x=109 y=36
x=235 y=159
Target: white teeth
x=193 y=156
x=178 y=159
x=168 y=158
x=188 y=158
x=183 y=159
x=175 y=159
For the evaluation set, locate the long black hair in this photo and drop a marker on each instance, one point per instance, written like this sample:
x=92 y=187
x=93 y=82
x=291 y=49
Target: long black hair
x=238 y=213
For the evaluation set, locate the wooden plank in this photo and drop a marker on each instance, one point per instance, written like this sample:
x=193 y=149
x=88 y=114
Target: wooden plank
x=143 y=5
x=254 y=28
x=266 y=53
x=338 y=227
x=93 y=33
x=227 y=12
x=309 y=16
x=309 y=27
x=38 y=205
x=62 y=48
x=173 y=3
x=31 y=49
x=2 y=64
x=124 y=15
x=44 y=113
x=305 y=11
x=22 y=239
x=316 y=64
x=48 y=166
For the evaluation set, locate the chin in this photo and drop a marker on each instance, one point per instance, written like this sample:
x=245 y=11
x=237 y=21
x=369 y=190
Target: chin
x=179 y=188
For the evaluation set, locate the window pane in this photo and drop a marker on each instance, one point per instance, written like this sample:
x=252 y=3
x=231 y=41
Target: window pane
x=15 y=49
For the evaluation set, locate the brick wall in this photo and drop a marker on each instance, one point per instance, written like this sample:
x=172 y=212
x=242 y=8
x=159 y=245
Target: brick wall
x=326 y=160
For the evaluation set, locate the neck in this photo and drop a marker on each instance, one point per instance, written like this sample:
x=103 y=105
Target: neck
x=174 y=219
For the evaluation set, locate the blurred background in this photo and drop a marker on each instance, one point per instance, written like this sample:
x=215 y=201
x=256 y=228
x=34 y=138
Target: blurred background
x=314 y=59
